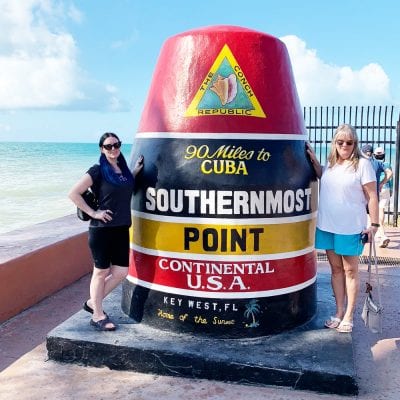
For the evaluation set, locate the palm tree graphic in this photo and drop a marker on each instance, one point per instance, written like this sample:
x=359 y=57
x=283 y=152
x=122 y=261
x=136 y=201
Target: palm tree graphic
x=252 y=309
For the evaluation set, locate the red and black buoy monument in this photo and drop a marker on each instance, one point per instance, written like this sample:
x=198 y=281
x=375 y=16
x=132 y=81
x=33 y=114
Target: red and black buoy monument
x=223 y=220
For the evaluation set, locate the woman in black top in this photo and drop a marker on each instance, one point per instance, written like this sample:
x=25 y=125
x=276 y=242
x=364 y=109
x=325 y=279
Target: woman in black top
x=112 y=182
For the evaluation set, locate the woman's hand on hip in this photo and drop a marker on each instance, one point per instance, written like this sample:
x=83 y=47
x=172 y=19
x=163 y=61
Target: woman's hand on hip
x=103 y=215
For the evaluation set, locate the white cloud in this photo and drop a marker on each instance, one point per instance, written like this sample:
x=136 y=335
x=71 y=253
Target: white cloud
x=74 y=14
x=319 y=83
x=38 y=59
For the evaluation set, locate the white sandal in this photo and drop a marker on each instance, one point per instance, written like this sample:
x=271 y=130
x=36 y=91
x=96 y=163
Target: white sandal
x=345 y=327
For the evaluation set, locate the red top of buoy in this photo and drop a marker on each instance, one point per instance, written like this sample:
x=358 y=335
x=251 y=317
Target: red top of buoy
x=224 y=79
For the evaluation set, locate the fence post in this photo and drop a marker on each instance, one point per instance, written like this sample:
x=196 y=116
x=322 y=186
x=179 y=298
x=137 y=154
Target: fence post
x=396 y=176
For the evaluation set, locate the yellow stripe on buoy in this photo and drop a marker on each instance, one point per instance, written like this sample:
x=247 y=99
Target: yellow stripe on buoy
x=222 y=239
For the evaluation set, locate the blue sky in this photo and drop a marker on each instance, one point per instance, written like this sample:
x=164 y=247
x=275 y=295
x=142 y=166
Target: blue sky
x=71 y=70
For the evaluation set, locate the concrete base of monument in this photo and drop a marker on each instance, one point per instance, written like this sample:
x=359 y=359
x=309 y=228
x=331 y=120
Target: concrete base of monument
x=309 y=357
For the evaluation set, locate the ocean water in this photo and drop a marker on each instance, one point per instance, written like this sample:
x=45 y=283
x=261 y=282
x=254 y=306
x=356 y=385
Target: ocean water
x=35 y=179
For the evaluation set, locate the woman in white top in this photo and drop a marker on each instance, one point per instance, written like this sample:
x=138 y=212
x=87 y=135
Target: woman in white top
x=347 y=186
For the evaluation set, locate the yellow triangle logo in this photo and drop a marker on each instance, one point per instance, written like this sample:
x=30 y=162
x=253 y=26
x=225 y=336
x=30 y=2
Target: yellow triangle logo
x=225 y=91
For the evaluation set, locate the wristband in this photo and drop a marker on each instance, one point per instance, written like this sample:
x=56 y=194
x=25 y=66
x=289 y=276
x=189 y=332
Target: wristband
x=375 y=225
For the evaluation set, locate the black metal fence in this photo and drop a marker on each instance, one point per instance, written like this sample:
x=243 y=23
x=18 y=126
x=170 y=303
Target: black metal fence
x=375 y=125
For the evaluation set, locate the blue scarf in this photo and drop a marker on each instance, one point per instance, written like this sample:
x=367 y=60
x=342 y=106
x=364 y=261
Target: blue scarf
x=108 y=173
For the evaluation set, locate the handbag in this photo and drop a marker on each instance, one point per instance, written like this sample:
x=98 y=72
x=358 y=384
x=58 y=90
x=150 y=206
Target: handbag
x=372 y=311
x=91 y=201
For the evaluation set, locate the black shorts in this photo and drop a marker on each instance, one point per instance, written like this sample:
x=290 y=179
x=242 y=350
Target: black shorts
x=109 y=246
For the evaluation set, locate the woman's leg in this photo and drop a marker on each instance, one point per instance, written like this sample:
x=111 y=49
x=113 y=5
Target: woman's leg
x=103 y=283
x=119 y=259
x=104 y=280
x=338 y=282
x=97 y=290
x=116 y=276
x=350 y=264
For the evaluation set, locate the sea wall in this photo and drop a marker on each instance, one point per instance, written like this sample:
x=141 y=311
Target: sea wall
x=39 y=260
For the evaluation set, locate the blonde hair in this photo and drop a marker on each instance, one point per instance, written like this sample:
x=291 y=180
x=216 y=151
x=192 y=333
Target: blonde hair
x=351 y=134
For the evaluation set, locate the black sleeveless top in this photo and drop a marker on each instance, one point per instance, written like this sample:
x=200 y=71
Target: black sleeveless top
x=116 y=198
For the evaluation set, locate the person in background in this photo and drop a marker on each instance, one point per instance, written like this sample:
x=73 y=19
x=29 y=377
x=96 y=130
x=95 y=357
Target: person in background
x=385 y=192
x=383 y=175
x=346 y=181
x=113 y=183
x=368 y=150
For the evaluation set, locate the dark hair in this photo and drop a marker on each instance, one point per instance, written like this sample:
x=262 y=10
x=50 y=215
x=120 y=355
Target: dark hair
x=107 y=170
x=107 y=135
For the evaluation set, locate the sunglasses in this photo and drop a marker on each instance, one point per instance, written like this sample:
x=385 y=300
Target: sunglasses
x=342 y=142
x=115 y=145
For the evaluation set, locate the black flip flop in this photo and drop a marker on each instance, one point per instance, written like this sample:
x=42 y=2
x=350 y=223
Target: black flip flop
x=101 y=325
x=89 y=309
